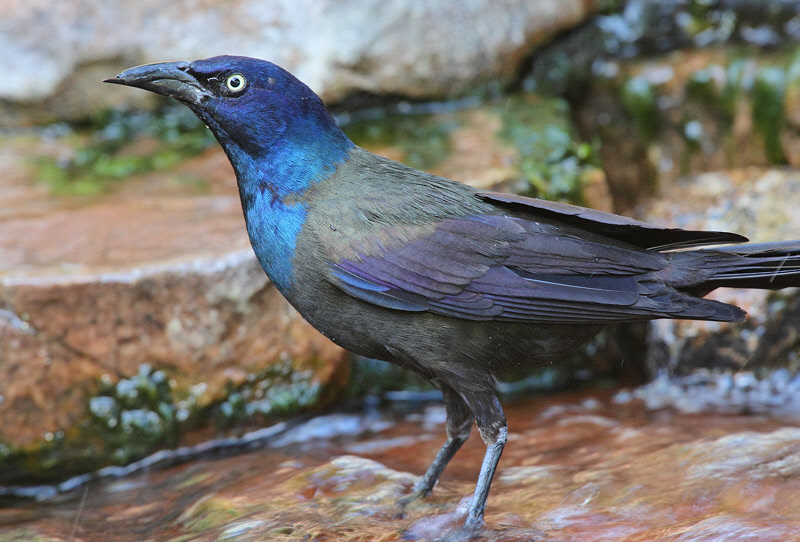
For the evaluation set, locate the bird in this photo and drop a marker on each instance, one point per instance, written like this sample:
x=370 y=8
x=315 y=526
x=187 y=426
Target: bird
x=455 y=283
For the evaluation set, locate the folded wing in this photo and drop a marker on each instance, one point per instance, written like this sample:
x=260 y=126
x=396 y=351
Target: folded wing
x=507 y=268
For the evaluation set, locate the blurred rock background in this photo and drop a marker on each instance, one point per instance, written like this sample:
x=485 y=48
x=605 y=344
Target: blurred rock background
x=422 y=50
x=133 y=316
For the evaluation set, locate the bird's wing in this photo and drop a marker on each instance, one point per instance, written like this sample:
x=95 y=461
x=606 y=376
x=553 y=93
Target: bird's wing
x=487 y=267
x=627 y=230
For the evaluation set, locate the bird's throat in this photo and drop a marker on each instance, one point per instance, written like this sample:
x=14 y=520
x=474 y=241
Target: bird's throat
x=272 y=193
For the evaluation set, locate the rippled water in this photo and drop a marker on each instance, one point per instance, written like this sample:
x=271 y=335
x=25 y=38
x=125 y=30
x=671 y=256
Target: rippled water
x=577 y=467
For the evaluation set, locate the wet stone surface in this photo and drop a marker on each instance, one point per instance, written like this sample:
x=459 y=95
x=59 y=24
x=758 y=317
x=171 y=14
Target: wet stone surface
x=576 y=467
x=776 y=393
x=134 y=312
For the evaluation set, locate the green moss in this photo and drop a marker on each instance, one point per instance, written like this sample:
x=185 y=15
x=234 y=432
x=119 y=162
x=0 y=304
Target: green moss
x=702 y=87
x=552 y=162
x=769 y=89
x=210 y=513
x=793 y=69
x=766 y=84
x=713 y=98
x=609 y=6
x=424 y=139
x=699 y=19
x=125 y=422
x=640 y=101
x=732 y=89
x=104 y=159
x=278 y=391
x=135 y=416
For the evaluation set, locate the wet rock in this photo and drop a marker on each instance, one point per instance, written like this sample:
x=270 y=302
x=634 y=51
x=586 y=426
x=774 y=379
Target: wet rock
x=129 y=318
x=576 y=467
x=714 y=391
x=691 y=111
x=59 y=54
x=760 y=204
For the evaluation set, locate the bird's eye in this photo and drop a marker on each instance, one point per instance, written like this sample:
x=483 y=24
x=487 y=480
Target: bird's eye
x=236 y=82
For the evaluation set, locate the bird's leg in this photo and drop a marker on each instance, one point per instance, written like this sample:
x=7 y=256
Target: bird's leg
x=494 y=430
x=459 y=425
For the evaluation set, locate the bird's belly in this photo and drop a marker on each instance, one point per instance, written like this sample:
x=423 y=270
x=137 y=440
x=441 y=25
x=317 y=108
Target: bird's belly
x=428 y=343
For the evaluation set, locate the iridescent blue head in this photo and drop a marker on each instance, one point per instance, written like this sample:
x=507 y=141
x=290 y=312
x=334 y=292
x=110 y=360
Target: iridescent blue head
x=273 y=127
x=276 y=132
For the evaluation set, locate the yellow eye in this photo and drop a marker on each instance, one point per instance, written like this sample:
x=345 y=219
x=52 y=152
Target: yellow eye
x=236 y=82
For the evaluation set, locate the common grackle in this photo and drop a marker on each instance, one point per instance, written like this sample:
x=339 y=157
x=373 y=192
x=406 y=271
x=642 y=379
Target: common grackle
x=455 y=283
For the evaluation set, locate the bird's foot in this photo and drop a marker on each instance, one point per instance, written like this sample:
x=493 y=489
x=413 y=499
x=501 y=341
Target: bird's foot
x=414 y=496
x=464 y=533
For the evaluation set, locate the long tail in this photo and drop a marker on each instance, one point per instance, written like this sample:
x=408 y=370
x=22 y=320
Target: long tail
x=765 y=266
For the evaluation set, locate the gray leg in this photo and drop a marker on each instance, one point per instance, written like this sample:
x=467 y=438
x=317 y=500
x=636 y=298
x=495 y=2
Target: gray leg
x=493 y=429
x=459 y=424
x=484 y=408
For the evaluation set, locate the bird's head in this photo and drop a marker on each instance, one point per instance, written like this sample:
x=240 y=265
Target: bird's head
x=251 y=105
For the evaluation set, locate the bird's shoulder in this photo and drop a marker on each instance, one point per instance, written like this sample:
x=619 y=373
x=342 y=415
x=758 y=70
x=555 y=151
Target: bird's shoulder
x=371 y=203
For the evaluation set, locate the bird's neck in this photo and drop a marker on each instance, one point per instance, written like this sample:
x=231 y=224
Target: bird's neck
x=272 y=188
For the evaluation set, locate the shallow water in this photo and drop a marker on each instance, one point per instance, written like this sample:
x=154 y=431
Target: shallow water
x=577 y=467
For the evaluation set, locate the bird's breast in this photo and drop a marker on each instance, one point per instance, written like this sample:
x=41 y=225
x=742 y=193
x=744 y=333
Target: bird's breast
x=273 y=227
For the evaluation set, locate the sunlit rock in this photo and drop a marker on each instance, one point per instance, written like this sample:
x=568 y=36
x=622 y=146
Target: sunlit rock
x=58 y=55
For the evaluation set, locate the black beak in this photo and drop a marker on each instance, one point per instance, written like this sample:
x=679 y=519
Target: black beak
x=171 y=79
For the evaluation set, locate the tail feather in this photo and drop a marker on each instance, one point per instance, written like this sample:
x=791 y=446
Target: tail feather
x=766 y=266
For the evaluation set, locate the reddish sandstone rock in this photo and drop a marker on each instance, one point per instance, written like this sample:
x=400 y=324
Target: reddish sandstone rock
x=575 y=468
x=91 y=290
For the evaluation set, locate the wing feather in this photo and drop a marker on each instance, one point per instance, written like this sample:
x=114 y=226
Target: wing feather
x=627 y=230
x=506 y=268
